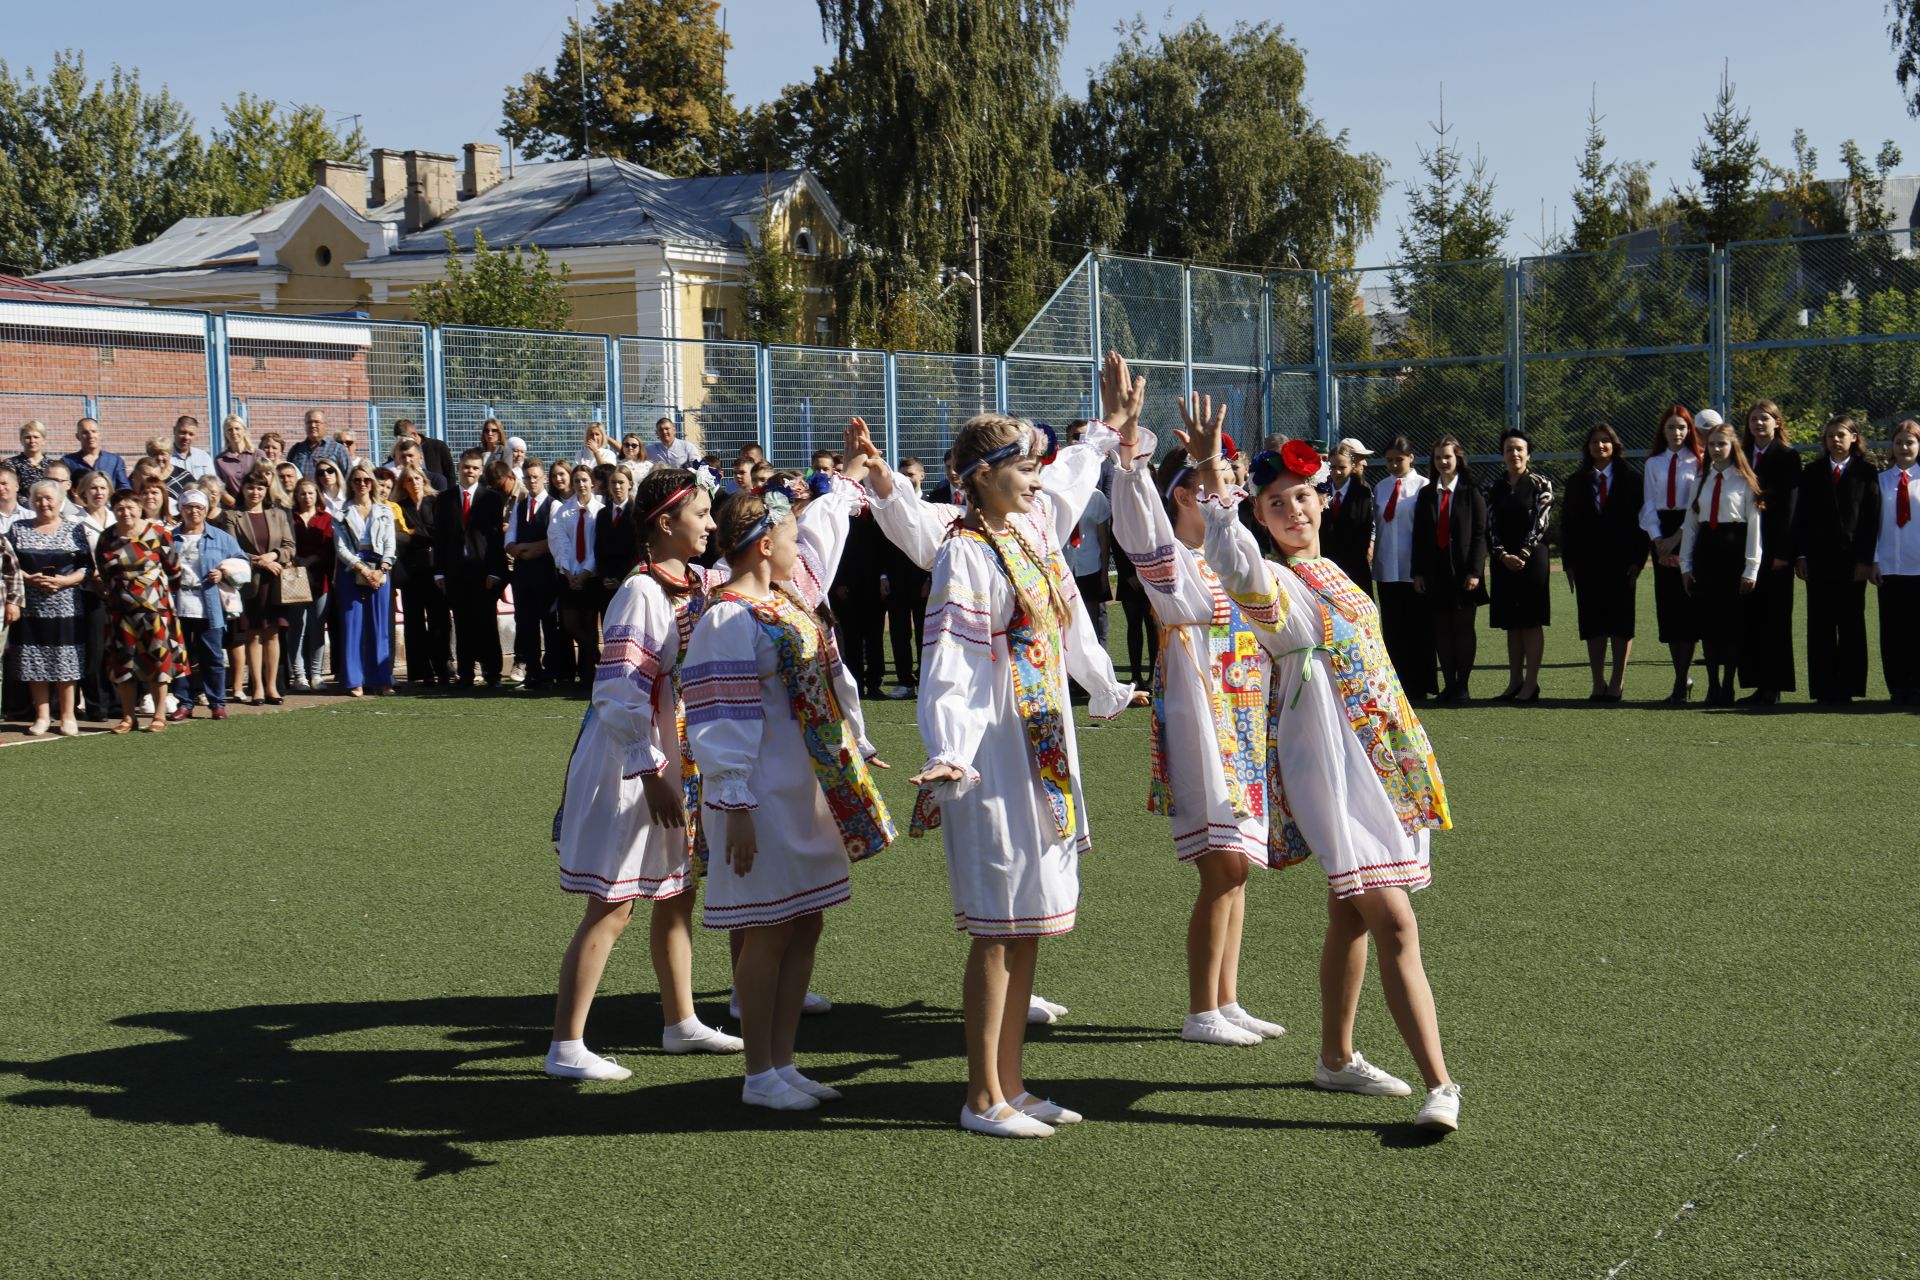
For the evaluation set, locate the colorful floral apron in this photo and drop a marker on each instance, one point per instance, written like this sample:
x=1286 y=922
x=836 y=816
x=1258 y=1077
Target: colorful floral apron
x=1377 y=710
x=1036 y=648
x=1237 y=691
x=800 y=647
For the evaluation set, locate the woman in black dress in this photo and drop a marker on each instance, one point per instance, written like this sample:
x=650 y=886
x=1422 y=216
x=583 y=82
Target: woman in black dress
x=1834 y=530
x=1519 y=503
x=1672 y=472
x=1450 y=562
x=1603 y=549
x=1766 y=660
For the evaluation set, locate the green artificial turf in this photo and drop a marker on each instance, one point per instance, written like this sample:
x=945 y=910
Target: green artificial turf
x=276 y=993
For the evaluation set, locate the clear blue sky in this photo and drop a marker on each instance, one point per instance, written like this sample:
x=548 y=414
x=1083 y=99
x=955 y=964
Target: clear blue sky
x=1517 y=75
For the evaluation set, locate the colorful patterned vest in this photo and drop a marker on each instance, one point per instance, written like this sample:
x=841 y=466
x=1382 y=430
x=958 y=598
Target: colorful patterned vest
x=800 y=646
x=1236 y=686
x=1036 y=647
x=1377 y=710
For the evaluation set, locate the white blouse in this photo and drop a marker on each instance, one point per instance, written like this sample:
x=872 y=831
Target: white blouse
x=1684 y=469
x=563 y=537
x=1393 y=539
x=1736 y=505
x=1898 y=550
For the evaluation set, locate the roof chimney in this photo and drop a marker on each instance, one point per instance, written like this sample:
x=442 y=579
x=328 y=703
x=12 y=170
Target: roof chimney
x=483 y=169
x=348 y=181
x=430 y=191
x=389 y=177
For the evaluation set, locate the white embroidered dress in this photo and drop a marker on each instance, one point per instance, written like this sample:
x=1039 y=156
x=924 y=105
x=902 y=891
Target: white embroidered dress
x=1188 y=600
x=1011 y=872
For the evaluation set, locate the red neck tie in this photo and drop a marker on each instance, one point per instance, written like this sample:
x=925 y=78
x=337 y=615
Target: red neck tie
x=1602 y=503
x=466 y=505
x=1393 y=499
x=1902 y=505
x=1334 y=510
x=616 y=516
x=580 y=538
x=1838 y=467
x=1673 y=473
x=1443 y=526
x=1713 y=521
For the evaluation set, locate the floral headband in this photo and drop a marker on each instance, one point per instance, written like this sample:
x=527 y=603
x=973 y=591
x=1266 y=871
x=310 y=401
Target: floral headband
x=1036 y=433
x=1296 y=457
x=779 y=507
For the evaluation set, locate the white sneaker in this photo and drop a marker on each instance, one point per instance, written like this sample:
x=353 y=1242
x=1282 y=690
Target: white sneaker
x=900 y=693
x=1038 y=1015
x=705 y=1040
x=1211 y=1028
x=790 y=1074
x=1359 y=1076
x=814 y=1003
x=1045 y=1110
x=1057 y=1010
x=1247 y=1022
x=1441 y=1110
x=780 y=1097
x=591 y=1066
x=1004 y=1121
x=145 y=706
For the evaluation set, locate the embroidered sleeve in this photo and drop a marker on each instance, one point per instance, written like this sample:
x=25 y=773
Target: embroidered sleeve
x=1091 y=666
x=911 y=523
x=639 y=629
x=958 y=665
x=1176 y=590
x=721 y=685
x=1073 y=475
x=1250 y=580
x=823 y=539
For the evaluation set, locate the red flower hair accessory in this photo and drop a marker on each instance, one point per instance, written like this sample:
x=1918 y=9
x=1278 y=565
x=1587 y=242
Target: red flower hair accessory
x=1228 y=449
x=1301 y=458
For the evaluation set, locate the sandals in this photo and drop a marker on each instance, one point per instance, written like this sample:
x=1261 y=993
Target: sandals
x=125 y=725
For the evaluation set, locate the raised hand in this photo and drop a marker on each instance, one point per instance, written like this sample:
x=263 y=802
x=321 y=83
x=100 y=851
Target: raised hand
x=1203 y=426
x=859 y=440
x=1122 y=397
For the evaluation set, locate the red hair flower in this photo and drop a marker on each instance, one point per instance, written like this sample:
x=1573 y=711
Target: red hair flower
x=1228 y=449
x=1300 y=458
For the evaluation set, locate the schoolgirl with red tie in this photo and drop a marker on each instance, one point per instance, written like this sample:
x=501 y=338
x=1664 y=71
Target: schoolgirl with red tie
x=1835 y=527
x=1672 y=471
x=1896 y=565
x=1766 y=653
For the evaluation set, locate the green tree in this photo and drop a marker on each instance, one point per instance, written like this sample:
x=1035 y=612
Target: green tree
x=1194 y=145
x=656 y=89
x=91 y=167
x=265 y=153
x=1598 y=219
x=774 y=292
x=1903 y=32
x=1728 y=203
x=949 y=107
x=804 y=128
x=514 y=289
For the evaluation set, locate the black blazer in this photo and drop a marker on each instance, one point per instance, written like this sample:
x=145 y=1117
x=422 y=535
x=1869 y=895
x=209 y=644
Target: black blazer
x=477 y=549
x=1835 y=526
x=856 y=582
x=1345 y=538
x=1446 y=573
x=613 y=546
x=1609 y=541
x=535 y=573
x=1779 y=474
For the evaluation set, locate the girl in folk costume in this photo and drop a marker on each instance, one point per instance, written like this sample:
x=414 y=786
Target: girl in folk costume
x=1720 y=556
x=1672 y=472
x=779 y=760
x=1352 y=779
x=1836 y=523
x=1896 y=564
x=1003 y=774
x=1766 y=659
x=629 y=826
x=1209 y=743
x=1068 y=478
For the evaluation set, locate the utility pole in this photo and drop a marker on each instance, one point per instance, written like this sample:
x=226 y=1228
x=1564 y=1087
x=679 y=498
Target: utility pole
x=973 y=238
x=580 y=57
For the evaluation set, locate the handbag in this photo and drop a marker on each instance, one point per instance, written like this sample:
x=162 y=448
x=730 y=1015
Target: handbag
x=296 y=587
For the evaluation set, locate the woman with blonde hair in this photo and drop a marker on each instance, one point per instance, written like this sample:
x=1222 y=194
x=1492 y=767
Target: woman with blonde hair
x=1766 y=658
x=30 y=463
x=265 y=535
x=235 y=459
x=365 y=543
x=1720 y=556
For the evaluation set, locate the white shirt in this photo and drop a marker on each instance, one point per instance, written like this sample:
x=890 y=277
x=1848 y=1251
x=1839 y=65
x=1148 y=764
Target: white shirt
x=8 y=519
x=520 y=508
x=680 y=453
x=1654 y=500
x=1737 y=505
x=187 y=601
x=196 y=460
x=594 y=457
x=563 y=533
x=1604 y=476
x=1393 y=539
x=1898 y=550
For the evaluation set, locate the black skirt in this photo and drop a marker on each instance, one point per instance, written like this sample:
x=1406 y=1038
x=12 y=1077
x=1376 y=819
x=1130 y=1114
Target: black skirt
x=1719 y=560
x=1605 y=602
x=1672 y=606
x=1520 y=596
x=1766 y=659
x=1407 y=629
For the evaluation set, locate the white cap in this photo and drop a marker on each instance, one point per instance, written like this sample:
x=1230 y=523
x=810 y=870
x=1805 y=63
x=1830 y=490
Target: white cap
x=515 y=442
x=1354 y=447
x=1707 y=420
x=194 y=498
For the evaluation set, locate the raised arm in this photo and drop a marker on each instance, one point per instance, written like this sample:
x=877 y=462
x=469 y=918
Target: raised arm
x=1177 y=592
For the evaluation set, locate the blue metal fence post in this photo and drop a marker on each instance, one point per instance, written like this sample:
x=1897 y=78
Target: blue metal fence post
x=616 y=411
x=1516 y=365
x=436 y=407
x=1000 y=384
x=218 y=380
x=763 y=398
x=1323 y=358
x=1093 y=323
x=1719 y=365
x=892 y=402
x=1186 y=329
x=1266 y=358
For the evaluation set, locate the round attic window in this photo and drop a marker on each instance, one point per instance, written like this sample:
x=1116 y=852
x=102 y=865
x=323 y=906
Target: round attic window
x=323 y=255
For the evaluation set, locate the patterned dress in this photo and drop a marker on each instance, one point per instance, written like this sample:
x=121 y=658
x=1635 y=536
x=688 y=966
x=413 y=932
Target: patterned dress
x=46 y=644
x=139 y=575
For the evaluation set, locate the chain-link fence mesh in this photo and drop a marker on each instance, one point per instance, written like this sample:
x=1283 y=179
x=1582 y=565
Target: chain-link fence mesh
x=544 y=387
x=933 y=396
x=710 y=389
x=1064 y=326
x=1143 y=310
x=813 y=391
x=1050 y=391
x=133 y=369
x=363 y=375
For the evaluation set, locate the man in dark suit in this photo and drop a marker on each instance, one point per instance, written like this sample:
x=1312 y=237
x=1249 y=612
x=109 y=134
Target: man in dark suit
x=535 y=584
x=1836 y=525
x=470 y=565
x=437 y=456
x=1346 y=529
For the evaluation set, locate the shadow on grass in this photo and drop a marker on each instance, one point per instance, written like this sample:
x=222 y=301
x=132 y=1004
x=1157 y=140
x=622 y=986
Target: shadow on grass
x=267 y=1072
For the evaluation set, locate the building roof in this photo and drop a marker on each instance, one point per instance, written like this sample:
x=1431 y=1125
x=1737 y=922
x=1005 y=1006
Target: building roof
x=545 y=203
x=20 y=289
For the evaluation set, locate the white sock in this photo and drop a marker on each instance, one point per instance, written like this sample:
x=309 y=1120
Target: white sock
x=568 y=1053
x=766 y=1081
x=1234 y=1010
x=691 y=1027
x=1211 y=1015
